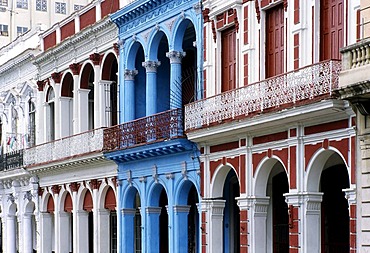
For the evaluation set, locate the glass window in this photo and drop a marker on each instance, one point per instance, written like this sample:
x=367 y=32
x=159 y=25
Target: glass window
x=22 y=4
x=60 y=8
x=41 y=5
x=32 y=124
x=77 y=7
x=21 y=30
x=4 y=30
x=3 y=2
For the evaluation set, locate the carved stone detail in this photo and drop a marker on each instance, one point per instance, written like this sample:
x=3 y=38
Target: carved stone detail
x=175 y=56
x=75 y=68
x=56 y=76
x=151 y=66
x=130 y=74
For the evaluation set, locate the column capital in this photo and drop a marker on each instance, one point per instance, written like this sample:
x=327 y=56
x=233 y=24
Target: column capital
x=153 y=210
x=151 y=66
x=130 y=74
x=128 y=211
x=181 y=209
x=175 y=56
x=350 y=195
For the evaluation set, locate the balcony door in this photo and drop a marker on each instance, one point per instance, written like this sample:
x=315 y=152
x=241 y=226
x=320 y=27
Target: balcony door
x=275 y=41
x=228 y=59
x=331 y=29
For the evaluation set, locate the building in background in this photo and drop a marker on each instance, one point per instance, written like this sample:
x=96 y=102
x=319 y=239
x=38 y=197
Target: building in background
x=354 y=86
x=160 y=70
x=278 y=149
x=19 y=16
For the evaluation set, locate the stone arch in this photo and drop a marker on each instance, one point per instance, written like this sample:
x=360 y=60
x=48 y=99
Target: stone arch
x=81 y=200
x=320 y=160
x=154 y=193
x=86 y=70
x=218 y=180
x=132 y=50
x=129 y=196
x=12 y=209
x=182 y=190
x=179 y=29
x=263 y=172
x=154 y=43
x=107 y=61
x=105 y=189
x=66 y=88
x=29 y=208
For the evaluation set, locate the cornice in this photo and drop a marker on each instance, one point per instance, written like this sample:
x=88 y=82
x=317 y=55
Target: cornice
x=26 y=57
x=87 y=40
x=141 y=12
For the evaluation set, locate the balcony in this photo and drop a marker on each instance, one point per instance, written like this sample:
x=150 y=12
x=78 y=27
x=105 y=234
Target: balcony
x=301 y=86
x=11 y=160
x=159 y=127
x=61 y=149
x=354 y=79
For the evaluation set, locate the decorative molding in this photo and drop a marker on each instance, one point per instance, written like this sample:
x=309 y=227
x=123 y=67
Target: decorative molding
x=175 y=56
x=205 y=13
x=181 y=209
x=198 y=8
x=74 y=186
x=155 y=173
x=142 y=179
x=40 y=191
x=184 y=171
x=28 y=195
x=40 y=85
x=130 y=74
x=56 y=76
x=170 y=176
x=258 y=12
x=151 y=66
x=129 y=177
x=95 y=58
x=153 y=210
x=55 y=189
x=116 y=48
x=95 y=184
x=11 y=198
x=214 y=30
x=128 y=211
x=75 y=68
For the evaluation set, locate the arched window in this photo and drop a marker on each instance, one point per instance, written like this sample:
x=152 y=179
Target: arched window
x=51 y=114
x=31 y=124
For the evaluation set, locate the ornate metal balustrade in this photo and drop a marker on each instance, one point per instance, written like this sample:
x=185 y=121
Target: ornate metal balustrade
x=11 y=160
x=75 y=145
x=305 y=84
x=161 y=126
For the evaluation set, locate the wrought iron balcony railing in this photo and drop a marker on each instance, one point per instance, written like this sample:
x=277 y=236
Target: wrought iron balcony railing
x=11 y=160
x=292 y=88
x=158 y=127
x=71 y=146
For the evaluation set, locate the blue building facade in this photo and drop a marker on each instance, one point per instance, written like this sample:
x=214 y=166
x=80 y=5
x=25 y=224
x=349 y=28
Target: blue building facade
x=160 y=70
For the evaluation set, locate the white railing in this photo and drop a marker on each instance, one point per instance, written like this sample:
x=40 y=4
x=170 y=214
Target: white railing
x=356 y=55
x=287 y=89
x=75 y=145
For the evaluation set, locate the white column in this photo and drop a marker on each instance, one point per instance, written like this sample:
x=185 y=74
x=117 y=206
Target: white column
x=311 y=222
x=97 y=93
x=62 y=239
x=82 y=232
x=75 y=104
x=11 y=236
x=75 y=220
x=27 y=233
x=95 y=219
x=258 y=208
x=45 y=123
x=83 y=110
x=45 y=232
x=58 y=110
x=215 y=217
x=66 y=117
x=40 y=117
x=105 y=103
x=103 y=230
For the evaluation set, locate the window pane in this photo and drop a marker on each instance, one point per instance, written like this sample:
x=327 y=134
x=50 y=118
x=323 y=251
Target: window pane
x=77 y=7
x=23 y=4
x=3 y=2
x=41 y=5
x=60 y=8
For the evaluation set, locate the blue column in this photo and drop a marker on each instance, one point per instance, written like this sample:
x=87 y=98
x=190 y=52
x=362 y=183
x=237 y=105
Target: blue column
x=153 y=228
x=181 y=228
x=128 y=230
x=151 y=86
x=175 y=85
x=129 y=97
